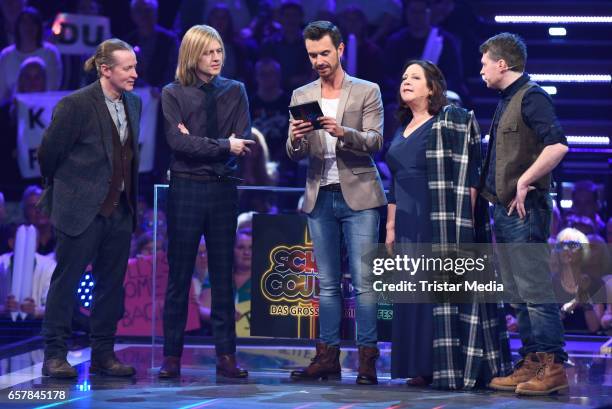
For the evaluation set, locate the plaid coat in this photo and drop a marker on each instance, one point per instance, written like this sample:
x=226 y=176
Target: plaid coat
x=470 y=340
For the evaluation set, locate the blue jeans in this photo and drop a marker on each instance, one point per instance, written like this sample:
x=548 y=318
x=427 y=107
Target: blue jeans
x=526 y=275
x=330 y=220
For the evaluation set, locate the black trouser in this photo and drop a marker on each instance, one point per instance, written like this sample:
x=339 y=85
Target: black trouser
x=106 y=243
x=196 y=208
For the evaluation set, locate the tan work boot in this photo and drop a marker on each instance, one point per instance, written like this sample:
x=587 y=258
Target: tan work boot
x=524 y=370
x=325 y=365
x=551 y=377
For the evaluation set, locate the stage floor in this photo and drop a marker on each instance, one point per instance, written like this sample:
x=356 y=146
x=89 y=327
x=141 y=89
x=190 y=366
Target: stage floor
x=269 y=386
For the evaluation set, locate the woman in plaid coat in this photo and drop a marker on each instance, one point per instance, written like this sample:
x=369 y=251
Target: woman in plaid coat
x=435 y=158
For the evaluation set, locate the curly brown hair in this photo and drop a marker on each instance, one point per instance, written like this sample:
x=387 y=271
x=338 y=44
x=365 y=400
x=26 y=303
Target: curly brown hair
x=435 y=82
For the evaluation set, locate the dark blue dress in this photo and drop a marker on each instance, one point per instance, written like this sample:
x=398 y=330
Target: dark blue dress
x=412 y=336
x=413 y=324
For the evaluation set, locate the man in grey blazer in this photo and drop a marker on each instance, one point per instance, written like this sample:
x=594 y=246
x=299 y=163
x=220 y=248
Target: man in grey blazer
x=343 y=192
x=89 y=158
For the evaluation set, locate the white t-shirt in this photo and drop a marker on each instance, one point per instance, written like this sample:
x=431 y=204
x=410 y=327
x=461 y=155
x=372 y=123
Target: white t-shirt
x=330 y=170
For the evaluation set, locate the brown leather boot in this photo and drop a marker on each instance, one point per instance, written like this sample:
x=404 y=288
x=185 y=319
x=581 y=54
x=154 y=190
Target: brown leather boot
x=367 y=366
x=524 y=370
x=171 y=367
x=227 y=367
x=58 y=368
x=551 y=377
x=325 y=365
x=108 y=364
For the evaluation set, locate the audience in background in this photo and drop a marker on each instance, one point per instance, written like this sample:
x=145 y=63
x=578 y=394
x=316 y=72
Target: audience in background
x=238 y=53
x=585 y=202
x=419 y=39
x=268 y=106
x=9 y=11
x=288 y=47
x=28 y=43
x=34 y=216
x=33 y=305
x=155 y=46
x=383 y=15
x=353 y=21
x=576 y=286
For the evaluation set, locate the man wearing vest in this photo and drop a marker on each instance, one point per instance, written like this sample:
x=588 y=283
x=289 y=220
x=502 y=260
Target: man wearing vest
x=89 y=158
x=526 y=143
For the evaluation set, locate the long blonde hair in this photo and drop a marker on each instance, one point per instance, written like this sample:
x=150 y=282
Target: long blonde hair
x=195 y=42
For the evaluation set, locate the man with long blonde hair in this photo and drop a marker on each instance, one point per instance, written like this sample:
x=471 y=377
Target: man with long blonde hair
x=207 y=124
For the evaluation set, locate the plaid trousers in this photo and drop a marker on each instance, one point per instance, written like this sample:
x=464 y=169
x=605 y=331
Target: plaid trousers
x=196 y=208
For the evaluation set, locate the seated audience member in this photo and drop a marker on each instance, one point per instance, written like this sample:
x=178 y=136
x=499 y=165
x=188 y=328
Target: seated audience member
x=585 y=203
x=421 y=40
x=156 y=47
x=383 y=16
x=609 y=231
x=268 y=107
x=34 y=216
x=32 y=76
x=263 y=27
x=576 y=287
x=353 y=20
x=238 y=53
x=288 y=47
x=34 y=305
x=28 y=43
x=458 y=18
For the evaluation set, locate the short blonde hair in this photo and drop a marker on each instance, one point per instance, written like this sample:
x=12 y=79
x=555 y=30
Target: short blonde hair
x=196 y=40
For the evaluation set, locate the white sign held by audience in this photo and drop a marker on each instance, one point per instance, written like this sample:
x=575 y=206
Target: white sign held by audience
x=78 y=34
x=34 y=115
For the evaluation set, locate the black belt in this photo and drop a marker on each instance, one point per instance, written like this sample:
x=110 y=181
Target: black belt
x=334 y=187
x=206 y=178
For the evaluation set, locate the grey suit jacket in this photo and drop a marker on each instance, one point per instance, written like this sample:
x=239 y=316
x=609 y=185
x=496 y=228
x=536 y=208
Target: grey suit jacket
x=360 y=112
x=75 y=157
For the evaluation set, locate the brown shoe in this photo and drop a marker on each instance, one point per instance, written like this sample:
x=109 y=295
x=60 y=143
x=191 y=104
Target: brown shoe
x=551 y=377
x=58 y=368
x=367 y=366
x=524 y=370
x=325 y=365
x=227 y=367
x=171 y=367
x=108 y=364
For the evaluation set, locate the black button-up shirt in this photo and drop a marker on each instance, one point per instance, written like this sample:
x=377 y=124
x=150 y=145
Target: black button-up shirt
x=538 y=114
x=197 y=153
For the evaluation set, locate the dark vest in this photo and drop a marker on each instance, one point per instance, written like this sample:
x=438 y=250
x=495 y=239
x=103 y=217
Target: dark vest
x=517 y=148
x=122 y=172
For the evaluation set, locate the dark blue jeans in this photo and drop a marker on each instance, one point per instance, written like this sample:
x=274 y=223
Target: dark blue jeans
x=526 y=274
